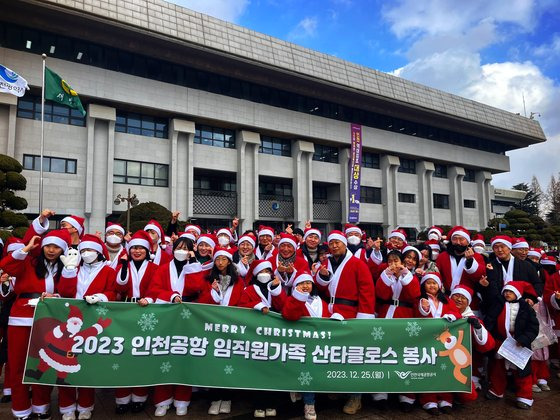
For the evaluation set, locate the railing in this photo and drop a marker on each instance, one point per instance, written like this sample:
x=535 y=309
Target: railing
x=327 y=210
x=215 y=202
x=276 y=206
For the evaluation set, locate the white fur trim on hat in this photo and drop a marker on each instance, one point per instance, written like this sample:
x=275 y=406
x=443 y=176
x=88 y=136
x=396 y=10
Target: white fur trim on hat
x=149 y=226
x=188 y=236
x=463 y=292
x=115 y=227
x=432 y=277
x=547 y=262
x=301 y=278
x=206 y=240
x=222 y=253
x=54 y=240
x=225 y=231
x=533 y=253
x=512 y=289
x=246 y=239
x=266 y=232
x=90 y=245
x=520 y=245
x=462 y=234
x=74 y=223
x=312 y=232
x=478 y=242
x=193 y=227
x=397 y=235
x=338 y=237
x=353 y=229
x=287 y=241
x=138 y=242
x=411 y=248
x=261 y=266
x=501 y=241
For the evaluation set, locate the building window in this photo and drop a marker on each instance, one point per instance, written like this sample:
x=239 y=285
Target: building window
x=441 y=201
x=325 y=153
x=407 y=198
x=319 y=192
x=275 y=146
x=214 y=136
x=214 y=181
x=410 y=234
x=143 y=125
x=440 y=171
x=469 y=204
x=142 y=173
x=50 y=164
x=30 y=107
x=370 y=195
x=470 y=175
x=370 y=160
x=275 y=187
x=407 y=166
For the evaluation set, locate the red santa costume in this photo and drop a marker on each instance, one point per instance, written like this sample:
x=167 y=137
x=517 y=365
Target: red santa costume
x=260 y=252
x=300 y=264
x=260 y=293
x=211 y=241
x=243 y=269
x=114 y=244
x=228 y=296
x=351 y=230
x=348 y=284
x=300 y=304
x=29 y=286
x=158 y=255
x=551 y=285
x=375 y=261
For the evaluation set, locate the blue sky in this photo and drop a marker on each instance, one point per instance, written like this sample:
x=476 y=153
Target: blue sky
x=491 y=51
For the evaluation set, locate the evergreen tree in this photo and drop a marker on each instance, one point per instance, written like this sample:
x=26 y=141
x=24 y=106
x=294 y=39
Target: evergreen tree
x=529 y=204
x=11 y=180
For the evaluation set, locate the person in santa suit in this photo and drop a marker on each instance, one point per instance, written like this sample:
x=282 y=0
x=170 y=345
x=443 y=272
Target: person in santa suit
x=285 y=263
x=479 y=246
x=434 y=304
x=73 y=224
x=377 y=260
x=180 y=280
x=509 y=315
x=426 y=264
x=205 y=245
x=244 y=255
x=551 y=296
x=309 y=249
x=435 y=247
x=36 y=277
x=226 y=240
x=396 y=291
x=435 y=233
x=134 y=276
x=482 y=339
x=114 y=241
x=520 y=248
x=264 y=249
x=347 y=283
x=354 y=236
x=94 y=281
x=157 y=255
x=534 y=255
x=411 y=258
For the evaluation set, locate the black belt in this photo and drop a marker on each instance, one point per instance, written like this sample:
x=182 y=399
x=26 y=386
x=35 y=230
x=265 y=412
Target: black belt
x=132 y=299
x=394 y=302
x=190 y=298
x=68 y=354
x=29 y=295
x=340 y=301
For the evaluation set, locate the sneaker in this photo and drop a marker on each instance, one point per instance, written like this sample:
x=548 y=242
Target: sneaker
x=270 y=412
x=309 y=412
x=214 y=408
x=295 y=396
x=544 y=387
x=69 y=416
x=181 y=411
x=522 y=405
x=161 y=410
x=260 y=414
x=225 y=407
x=85 y=415
x=536 y=388
x=352 y=405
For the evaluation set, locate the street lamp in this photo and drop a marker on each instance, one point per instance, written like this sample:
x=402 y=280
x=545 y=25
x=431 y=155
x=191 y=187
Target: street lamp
x=131 y=201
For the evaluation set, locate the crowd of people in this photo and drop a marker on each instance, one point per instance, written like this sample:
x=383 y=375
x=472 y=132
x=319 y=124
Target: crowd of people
x=506 y=289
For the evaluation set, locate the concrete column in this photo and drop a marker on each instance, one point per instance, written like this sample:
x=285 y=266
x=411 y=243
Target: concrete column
x=10 y=101
x=425 y=171
x=389 y=191
x=456 y=175
x=344 y=159
x=302 y=153
x=99 y=166
x=181 y=135
x=248 y=143
x=483 y=179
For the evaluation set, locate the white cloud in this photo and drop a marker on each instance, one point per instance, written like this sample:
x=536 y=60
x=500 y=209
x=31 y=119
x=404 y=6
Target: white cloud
x=551 y=49
x=228 y=10
x=307 y=27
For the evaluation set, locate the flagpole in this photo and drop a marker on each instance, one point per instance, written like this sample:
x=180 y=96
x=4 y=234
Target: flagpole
x=44 y=57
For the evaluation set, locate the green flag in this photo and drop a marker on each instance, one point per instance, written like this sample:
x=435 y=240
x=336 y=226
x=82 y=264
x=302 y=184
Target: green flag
x=58 y=90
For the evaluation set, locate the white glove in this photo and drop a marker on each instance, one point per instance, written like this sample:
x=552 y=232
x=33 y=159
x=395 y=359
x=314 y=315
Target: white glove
x=91 y=300
x=449 y=317
x=71 y=259
x=336 y=316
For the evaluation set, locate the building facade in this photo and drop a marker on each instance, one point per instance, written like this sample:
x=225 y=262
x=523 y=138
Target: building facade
x=216 y=121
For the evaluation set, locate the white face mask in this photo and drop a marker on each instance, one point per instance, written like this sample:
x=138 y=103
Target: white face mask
x=263 y=277
x=223 y=240
x=113 y=239
x=435 y=254
x=479 y=249
x=181 y=254
x=89 y=256
x=354 y=240
x=433 y=237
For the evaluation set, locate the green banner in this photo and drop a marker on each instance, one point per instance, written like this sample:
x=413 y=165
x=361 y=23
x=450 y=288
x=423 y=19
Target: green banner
x=58 y=90
x=123 y=344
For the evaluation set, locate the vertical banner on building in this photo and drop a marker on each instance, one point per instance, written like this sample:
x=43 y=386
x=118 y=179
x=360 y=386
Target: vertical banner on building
x=355 y=173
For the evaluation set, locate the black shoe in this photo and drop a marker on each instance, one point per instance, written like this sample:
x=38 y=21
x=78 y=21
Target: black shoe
x=44 y=416
x=122 y=408
x=491 y=396
x=522 y=405
x=138 y=407
x=433 y=411
x=61 y=381
x=33 y=373
x=381 y=405
x=446 y=409
x=24 y=418
x=6 y=399
x=406 y=407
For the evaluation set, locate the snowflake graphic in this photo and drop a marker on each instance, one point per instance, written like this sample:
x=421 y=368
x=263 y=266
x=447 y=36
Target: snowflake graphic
x=443 y=366
x=377 y=333
x=343 y=322
x=115 y=366
x=148 y=322
x=185 y=313
x=102 y=310
x=407 y=382
x=165 y=367
x=413 y=329
x=228 y=370
x=305 y=378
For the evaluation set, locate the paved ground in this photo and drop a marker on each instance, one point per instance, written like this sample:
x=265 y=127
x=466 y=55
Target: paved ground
x=547 y=406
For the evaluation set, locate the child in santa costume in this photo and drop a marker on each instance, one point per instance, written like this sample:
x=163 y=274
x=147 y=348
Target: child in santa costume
x=94 y=281
x=378 y=257
x=244 y=255
x=157 y=254
x=396 y=291
x=434 y=304
x=114 y=241
x=180 y=280
x=36 y=277
x=134 y=277
x=509 y=315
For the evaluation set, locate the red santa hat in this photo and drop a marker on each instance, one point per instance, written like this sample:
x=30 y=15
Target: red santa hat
x=225 y=231
x=398 y=233
x=221 y=252
x=301 y=278
x=74 y=313
x=433 y=244
x=265 y=230
x=413 y=249
x=501 y=239
x=77 y=222
x=350 y=228
x=93 y=242
x=208 y=239
x=311 y=231
x=286 y=238
x=431 y=276
x=187 y=235
x=463 y=290
x=259 y=265
x=59 y=237
x=478 y=239
x=517 y=287
x=437 y=231
x=167 y=239
x=140 y=238
x=338 y=235
x=520 y=243
x=114 y=226
x=12 y=244
x=193 y=228
x=548 y=260
x=155 y=226
x=246 y=238
x=459 y=231
x=534 y=252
